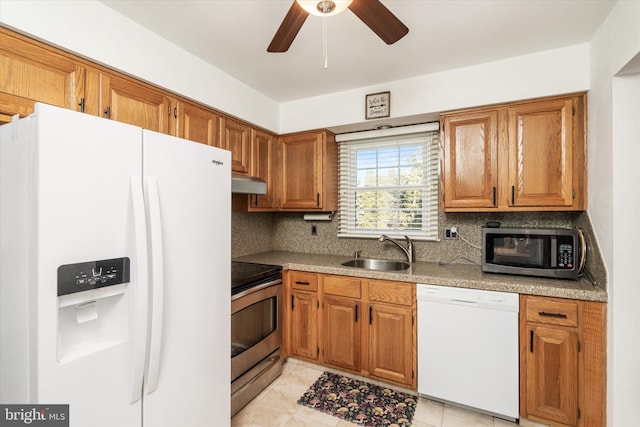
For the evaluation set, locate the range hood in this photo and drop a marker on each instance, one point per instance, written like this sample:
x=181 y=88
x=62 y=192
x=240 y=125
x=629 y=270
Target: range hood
x=247 y=185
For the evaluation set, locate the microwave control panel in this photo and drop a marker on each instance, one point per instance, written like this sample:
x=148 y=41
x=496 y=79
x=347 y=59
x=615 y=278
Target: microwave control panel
x=85 y=276
x=565 y=252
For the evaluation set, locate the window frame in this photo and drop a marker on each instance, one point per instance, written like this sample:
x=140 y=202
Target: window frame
x=426 y=135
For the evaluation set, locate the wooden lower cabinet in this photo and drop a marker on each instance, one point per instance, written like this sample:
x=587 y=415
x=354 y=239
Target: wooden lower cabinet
x=341 y=332
x=552 y=374
x=304 y=324
x=563 y=361
x=363 y=326
x=391 y=343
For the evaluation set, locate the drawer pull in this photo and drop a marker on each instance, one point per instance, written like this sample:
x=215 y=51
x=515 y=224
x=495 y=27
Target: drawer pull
x=558 y=315
x=302 y=283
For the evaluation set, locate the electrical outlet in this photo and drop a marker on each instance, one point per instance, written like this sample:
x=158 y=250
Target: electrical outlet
x=450 y=233
x=314 y=230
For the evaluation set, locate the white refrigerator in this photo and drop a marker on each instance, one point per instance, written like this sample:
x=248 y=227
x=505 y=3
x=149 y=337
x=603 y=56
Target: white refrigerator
x=114 y=272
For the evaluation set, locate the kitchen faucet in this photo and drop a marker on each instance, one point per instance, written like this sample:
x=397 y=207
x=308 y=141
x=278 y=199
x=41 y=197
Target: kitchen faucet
x=408 y=251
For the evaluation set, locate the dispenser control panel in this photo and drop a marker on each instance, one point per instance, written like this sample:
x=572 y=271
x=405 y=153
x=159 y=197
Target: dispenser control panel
x=85 y=276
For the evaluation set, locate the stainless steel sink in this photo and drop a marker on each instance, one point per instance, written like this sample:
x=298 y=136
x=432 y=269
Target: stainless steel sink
x=377 y=264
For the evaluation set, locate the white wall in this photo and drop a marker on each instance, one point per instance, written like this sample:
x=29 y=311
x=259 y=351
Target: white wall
x=546 y=73
x=91 y=29
x=614 y=198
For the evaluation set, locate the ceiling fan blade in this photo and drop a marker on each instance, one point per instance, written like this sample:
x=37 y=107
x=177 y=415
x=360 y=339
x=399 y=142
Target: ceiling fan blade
x=377 y=17
x=289 y=28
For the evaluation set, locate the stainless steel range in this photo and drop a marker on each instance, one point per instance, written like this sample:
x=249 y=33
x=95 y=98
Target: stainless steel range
x=256 y=331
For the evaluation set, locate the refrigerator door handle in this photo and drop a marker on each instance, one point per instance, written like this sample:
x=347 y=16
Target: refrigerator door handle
x=140 y=290
x=157 y=279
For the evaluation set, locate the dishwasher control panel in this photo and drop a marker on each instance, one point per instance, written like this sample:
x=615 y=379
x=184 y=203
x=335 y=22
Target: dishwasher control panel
x=471 y=297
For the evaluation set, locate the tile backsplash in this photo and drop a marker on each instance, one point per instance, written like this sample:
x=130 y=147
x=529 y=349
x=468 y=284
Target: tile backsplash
x=260 y=232
x=257 y=232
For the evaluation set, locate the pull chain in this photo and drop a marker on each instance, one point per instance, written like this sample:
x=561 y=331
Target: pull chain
x=324 y=42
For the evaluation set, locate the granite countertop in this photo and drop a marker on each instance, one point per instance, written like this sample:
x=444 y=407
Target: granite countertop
x=456 y=275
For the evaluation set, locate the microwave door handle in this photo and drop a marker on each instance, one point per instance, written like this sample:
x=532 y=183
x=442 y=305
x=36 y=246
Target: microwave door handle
x=583 y=251
x=554 y=252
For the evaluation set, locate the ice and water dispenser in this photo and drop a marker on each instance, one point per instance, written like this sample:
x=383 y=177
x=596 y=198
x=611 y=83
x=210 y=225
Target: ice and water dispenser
x=93 y=311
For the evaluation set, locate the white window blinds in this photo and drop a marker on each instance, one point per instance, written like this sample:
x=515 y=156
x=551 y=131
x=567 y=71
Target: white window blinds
x=389 y=184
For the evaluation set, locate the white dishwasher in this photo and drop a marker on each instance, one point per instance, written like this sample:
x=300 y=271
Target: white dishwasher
x=468 y=348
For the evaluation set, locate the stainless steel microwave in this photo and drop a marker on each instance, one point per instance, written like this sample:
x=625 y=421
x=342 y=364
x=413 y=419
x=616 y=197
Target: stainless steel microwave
x=550 y=252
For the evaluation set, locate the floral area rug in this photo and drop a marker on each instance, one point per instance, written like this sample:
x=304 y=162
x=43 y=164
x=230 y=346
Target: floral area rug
x=360 y=402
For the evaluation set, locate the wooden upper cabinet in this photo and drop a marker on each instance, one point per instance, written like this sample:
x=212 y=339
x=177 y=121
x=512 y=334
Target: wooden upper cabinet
x=470 y=160
x=126 y=101
x=236 y=137
x=524 y=156
x=263 y=166
x=10 y=105
x=197 y=124
x=35 y=73
x=309 y=165
x=540 y=153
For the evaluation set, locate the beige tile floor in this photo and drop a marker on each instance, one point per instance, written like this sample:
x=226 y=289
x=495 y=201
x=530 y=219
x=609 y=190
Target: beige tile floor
x=276 y=406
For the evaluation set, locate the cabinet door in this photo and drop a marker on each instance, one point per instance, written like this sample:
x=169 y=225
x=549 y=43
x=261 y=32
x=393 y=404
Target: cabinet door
x=236 y=137
x=391 y=343
x=341 y=332
x=263 y=156
x=301 y=161
x=304 y=324
x=10 y=105
x=126 y=101
x=470 y=160
x=32 y=72
x=552 y=374
x=197 y=124
x=541 y=153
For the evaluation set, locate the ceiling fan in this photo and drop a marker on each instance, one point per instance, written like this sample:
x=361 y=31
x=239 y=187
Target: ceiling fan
x=372 y=12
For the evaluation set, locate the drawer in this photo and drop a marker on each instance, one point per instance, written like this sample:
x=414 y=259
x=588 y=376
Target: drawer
x=343 y=286
x=392 y=292
x=552 y=311
x=303 y=280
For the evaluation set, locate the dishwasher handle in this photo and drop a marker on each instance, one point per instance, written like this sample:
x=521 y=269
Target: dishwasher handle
x=463 y=302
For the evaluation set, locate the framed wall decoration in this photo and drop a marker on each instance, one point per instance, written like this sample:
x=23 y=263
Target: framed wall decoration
x=377 y=105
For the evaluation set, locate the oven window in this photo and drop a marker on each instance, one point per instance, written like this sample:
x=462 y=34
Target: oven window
x=252 y=324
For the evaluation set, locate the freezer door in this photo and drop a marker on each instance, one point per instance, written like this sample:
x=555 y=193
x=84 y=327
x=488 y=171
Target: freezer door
x=81 y=211
x=188 y=195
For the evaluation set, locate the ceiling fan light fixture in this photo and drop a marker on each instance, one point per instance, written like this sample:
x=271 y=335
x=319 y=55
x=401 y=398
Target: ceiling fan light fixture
x=324 y=7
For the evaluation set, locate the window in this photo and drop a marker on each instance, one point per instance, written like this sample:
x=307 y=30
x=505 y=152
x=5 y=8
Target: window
x=388 y=183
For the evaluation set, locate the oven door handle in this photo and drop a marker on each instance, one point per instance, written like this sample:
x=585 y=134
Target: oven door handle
x=270 y=362
x=157 y=279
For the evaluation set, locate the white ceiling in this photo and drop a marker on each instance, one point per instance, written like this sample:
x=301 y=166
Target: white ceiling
x=443 y=34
